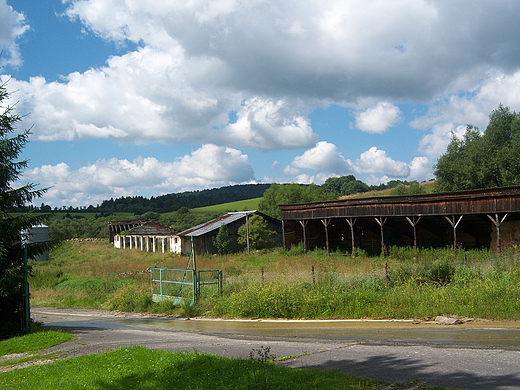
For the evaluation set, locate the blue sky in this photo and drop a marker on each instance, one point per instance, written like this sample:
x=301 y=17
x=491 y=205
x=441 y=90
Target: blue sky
x=147 y=97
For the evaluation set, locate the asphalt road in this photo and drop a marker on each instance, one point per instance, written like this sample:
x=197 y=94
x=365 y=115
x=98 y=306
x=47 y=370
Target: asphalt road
x=470 y=356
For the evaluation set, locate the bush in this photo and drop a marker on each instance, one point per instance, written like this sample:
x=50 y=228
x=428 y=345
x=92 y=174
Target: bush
x=130 y=298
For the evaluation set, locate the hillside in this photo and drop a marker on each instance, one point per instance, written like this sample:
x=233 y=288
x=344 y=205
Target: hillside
x=189 y=199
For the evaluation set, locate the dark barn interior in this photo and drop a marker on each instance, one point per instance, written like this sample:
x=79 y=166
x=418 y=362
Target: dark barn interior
x=467 y=219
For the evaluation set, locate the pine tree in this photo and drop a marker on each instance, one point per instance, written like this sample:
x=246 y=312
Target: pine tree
x=13 y=225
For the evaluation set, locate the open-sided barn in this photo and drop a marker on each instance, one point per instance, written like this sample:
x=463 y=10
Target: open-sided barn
x=203 y=234
x=487 y=218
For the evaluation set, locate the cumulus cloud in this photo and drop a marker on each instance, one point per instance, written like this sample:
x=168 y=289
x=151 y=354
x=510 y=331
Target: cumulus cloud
x=434 y=144
x=199 y=60
x=323 y=157
x=12 y=26
x=207 y=167
x=328 y=161
x=378 y=119
x=337 y=48
x=267 y=125
x=377 y=161
x=271 y=63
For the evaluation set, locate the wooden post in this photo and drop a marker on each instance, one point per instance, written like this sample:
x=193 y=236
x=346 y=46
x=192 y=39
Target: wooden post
x=454 y=225
x=325 y=223
x=351 y=221
x=414 y=221
x=497 y=221
x=304 y=225
x=283 y=234
x=381 y=223
x=313 y=276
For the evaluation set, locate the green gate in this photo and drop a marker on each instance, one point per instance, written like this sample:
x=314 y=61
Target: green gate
x=183 y=285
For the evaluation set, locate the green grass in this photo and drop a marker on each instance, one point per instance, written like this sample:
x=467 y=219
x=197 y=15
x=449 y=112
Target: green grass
x=141 y=368
x=241 y=205
x=27 y=349
x=33 y=342
x=421 y=283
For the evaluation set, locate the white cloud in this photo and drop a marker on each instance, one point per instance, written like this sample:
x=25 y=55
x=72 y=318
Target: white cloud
x=207 y=167
x=271 y=62
x=323 y=157
x=267 y=125
x=199 y=60
x=420 y=169
x=434 y=144
x=377 y=161
x=12 y=26
x=335 y=47
x=378 y=119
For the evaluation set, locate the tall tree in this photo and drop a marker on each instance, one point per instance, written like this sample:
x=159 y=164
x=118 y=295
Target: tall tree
x=344 y=185
x=13 y=317
x=222 y=241
x=483 y=160
x=279 y=194
x=256 y=230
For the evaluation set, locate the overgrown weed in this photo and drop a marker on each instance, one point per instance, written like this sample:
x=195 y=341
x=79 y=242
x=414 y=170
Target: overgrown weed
x=291 y=284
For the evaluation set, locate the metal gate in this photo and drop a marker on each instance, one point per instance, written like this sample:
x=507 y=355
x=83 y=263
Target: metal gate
x=183 y=285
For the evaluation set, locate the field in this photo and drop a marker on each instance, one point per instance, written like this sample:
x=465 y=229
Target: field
x=241 y=205
x=409 y=283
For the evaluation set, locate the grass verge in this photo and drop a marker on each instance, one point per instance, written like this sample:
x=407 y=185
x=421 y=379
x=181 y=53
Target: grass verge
x=26 y=349
x=141 y=368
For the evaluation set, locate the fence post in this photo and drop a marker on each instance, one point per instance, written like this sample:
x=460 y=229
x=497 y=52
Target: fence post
x=313 y=276
x=387 y=275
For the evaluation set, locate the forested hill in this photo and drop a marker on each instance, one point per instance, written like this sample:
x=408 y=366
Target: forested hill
x=189 y=199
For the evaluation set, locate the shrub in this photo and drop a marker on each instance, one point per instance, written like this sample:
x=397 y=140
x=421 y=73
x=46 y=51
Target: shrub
x=130 y=298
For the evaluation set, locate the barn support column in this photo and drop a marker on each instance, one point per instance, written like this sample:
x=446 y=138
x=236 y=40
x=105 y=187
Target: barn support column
x=381 y=222
x=497 y=221
x=351 y=221
x=304 y=226
x=141 y=243
x=414 y=221
x=154 y=243
x=163 y=241
x=454 y=225
x=326 y=223
x=283 y=233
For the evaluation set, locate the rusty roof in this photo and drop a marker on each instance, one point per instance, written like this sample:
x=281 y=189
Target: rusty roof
x=152 y=228
x=215 y=224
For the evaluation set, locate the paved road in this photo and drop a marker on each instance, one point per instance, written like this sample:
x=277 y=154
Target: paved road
x=477 y=356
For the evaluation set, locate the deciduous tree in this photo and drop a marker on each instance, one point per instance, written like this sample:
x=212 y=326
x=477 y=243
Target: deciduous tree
x=483 y=160
x=290 y=193
x=257 y=230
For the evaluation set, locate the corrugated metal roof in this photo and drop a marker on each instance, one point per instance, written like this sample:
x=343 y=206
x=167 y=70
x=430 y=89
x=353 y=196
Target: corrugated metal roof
x=152 y=229
x=215 y=224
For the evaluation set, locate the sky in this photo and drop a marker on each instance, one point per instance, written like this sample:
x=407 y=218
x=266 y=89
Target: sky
x=149 y=97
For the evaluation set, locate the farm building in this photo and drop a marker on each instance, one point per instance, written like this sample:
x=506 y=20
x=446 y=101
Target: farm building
x=203 y=234
x=149 y=236
x=487 y=218
x=116 y=227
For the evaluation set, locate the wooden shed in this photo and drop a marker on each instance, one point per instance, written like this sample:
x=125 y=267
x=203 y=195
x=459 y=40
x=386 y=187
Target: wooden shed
x=470 y=219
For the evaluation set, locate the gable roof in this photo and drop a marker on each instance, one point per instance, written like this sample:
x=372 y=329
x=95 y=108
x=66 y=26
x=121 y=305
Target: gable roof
x=215 y=224
x=152 y=228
